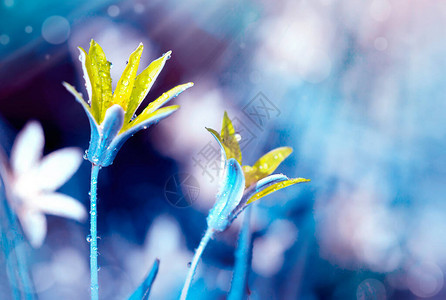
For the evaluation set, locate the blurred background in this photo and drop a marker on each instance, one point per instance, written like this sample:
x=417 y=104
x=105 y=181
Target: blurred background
x=357 y=88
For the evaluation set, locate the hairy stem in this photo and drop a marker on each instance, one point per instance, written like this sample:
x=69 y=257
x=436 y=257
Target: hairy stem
x=94 y=233
x=204 y=241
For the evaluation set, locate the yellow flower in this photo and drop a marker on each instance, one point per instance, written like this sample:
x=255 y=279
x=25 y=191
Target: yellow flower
x=244 y=184
x=111 y=113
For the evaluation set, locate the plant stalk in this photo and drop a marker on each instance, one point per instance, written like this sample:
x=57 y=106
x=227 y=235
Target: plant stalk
x=204 y=241
x=93 y=238
x=242 y=260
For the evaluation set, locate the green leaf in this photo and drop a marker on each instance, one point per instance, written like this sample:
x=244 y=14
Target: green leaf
x=125 y=84
x=275 y=187
x=266 y=165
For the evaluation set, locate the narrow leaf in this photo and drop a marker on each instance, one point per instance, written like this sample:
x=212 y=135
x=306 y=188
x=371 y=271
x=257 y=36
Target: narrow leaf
x=143 y=291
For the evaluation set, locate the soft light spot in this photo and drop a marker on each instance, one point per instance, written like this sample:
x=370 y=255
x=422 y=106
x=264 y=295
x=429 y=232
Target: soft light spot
x=42 y=276
x=28 y=29
x=371 y=289
x=68 y=266
x=4 y=39
x=113 y=11
x=9 y=3
x=425 y=280
x=56 y=30
x=381 y=44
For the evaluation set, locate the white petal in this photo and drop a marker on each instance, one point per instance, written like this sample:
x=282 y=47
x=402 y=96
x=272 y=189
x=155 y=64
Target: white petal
x=57 y=167
x=34 y=226
x=60 y=205
x=27 y=148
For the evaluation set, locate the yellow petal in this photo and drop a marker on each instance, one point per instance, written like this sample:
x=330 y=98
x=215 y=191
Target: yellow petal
x=165 y=97
x=125 y=84
x=227 y=151
x=227 y=129
x=102 y=83
x=266 y=165
x=78 y=96
x=229 y=140
x=160 y=112
x=91 y=83
x=143 y=83
x=275 y=187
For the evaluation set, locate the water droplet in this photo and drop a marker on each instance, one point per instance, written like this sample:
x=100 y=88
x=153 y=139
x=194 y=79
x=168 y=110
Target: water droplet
x=189 y=264
x=99 y=268
x=88 y=238
x=125 y=82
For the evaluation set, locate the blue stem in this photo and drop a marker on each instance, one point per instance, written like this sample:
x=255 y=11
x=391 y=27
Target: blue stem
x=143 y=291
x=94 y=233
x=204 y=241
x=242 y=260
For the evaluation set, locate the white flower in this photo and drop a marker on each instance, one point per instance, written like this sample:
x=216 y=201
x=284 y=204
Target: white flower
x=31 y=181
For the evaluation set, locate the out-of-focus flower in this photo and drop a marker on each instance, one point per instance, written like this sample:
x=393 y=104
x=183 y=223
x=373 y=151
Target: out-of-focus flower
x=31 y=182
x=244 y=185
x=111 y=114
